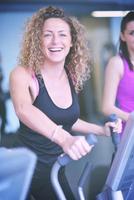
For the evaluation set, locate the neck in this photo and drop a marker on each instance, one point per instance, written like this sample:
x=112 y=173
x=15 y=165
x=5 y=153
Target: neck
x=131 y=53
x=54 y=71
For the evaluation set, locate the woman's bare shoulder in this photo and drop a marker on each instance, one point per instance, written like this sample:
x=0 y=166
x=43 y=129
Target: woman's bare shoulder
x=116 y=64
x=19 y=72
x=19 y=69
x=116 y=60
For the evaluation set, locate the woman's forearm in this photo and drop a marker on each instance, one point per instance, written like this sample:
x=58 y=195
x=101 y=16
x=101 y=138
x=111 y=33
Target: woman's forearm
x=86 y=127
x=113 y=109
x=40 y=123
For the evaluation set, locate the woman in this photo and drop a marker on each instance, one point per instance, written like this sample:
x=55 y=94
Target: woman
x=54 y=63
x=118 y=95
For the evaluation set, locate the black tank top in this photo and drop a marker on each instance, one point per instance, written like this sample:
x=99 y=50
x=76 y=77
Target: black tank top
x=46 y=150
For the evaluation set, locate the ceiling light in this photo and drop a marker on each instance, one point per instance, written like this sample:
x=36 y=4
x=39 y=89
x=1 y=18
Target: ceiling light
x=109 y=13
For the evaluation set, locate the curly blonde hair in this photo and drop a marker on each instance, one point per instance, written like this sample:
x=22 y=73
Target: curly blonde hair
x=78 y=61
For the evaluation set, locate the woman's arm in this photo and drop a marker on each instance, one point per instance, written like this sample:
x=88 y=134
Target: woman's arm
x=86 y=127
x=35 y=119
x=26 y=112
x=113 y=74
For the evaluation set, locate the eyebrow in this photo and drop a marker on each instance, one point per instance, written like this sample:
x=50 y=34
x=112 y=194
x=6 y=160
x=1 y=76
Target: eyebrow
x=52 y=31
x=130 y=31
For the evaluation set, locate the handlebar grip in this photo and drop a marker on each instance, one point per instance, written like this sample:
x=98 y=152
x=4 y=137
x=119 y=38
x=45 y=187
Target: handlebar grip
x=115 y=136
x=64 y=159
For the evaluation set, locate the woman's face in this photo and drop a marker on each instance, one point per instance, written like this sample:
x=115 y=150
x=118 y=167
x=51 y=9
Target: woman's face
x=57 y=40
x=128 y=35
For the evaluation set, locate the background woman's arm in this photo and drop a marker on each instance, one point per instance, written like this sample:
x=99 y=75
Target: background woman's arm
x=113 y=75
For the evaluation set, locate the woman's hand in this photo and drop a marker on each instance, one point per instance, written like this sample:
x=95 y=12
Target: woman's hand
x=76 y=147
x=116 y=126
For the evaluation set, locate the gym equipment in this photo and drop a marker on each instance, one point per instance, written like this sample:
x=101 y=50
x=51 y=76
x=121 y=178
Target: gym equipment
x=16 y=170
x=115 y=136
x=63 y=160
x=120 y=181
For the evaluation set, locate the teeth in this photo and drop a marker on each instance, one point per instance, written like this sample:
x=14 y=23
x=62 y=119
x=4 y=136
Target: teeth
x=55 y=49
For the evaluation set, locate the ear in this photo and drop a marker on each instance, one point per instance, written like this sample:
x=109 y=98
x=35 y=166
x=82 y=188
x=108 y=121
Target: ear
x=122 y=37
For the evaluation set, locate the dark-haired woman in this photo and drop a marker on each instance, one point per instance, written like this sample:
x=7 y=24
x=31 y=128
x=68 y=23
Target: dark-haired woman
x=118 y=94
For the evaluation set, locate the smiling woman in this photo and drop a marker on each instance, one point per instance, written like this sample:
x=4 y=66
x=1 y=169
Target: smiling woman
x=54 y=63
x=56 y=40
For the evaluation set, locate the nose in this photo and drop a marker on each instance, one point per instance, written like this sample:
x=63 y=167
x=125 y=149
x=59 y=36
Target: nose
x=55 y=39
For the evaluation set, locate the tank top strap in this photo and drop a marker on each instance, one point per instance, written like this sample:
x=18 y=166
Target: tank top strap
x=40 y=81
x=35 y=80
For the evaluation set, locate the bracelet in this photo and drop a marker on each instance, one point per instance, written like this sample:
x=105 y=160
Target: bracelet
x=55 y=132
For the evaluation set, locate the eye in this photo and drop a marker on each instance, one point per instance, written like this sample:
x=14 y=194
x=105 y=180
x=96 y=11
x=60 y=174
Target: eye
x=132 y=33
x=63 y=35
x=47 y=35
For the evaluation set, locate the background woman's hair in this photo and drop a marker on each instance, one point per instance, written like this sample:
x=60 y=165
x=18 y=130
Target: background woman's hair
x=123 y=50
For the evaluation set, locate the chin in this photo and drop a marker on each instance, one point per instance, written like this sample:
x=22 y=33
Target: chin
x=57 y=60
